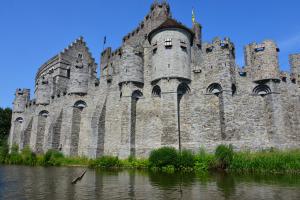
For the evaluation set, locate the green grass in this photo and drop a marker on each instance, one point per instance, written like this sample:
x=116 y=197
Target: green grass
x=273 y=161
x=168 y=160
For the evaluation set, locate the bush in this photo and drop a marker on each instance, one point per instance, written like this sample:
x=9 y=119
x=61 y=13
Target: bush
x=224 y=156
x=106 y=162
x=28 y=157
x=52 y=158
x=132 y=162
x=163 y=157
x=4 y=150
x=186 y=160
x=204 y=161
x=14 y=156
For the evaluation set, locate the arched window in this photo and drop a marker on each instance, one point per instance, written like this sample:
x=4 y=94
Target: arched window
x=262 y=90
x=156 y=91
x=137 y=94
x=80 y=104
x=19 y=119
x=214 y=88
x=183 y=89
x=44 y=113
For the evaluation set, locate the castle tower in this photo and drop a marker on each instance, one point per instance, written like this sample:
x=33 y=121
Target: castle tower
x=262 y=60
x=42 y=91
x=22 y=97
x=295 y=67
x=79 y=76
x=171 y=48
x=171 y=67
x=160 y=11
x=220 y=81
x=131 y=67
x=131 y=82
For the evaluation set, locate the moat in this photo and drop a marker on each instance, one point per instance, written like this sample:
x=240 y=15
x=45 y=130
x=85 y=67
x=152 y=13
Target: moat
x=20 y=182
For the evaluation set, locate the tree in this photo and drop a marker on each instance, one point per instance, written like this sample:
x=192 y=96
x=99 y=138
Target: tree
x=5 y=122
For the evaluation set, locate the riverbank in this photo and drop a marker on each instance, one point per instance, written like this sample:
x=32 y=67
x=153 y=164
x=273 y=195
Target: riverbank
x=169 y=160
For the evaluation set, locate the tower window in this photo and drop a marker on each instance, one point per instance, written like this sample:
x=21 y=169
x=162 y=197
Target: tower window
x=154 y=51
x=68 y=73
x=259 y=49
x=168 y=43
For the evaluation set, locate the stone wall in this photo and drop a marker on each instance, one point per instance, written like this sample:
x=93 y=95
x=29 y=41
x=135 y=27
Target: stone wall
x=202 y=100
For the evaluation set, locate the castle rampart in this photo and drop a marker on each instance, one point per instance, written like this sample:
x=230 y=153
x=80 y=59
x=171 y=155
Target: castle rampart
x=163 y=86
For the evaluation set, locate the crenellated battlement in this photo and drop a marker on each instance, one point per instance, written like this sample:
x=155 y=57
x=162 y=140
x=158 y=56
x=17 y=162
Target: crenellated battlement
x=162 y=87
x=261 y=60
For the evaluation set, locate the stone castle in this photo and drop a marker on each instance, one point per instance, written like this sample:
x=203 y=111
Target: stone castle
x=162 y=87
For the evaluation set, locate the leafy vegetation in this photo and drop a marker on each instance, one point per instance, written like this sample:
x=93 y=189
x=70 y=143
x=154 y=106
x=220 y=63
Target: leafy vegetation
x=168 y=159
x=5 y=120
x=224 y=156
x=106 y=162
x=163 y=157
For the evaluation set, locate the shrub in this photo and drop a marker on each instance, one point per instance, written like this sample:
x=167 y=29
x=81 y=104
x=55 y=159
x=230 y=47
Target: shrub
x=186 y=159
x=204 y=161
x=52 y=158
x=14 y=156
x=224 y=156
x=132 y=162
x=28 y=157
x=4 y=149
x=106 y=162
x=163 y=157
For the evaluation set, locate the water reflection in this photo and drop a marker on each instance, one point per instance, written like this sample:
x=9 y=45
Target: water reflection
x=18 y=182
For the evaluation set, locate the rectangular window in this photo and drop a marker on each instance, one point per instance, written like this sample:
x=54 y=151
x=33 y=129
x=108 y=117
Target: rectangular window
x=183 y=45
x=168 y=43
x=259 y=49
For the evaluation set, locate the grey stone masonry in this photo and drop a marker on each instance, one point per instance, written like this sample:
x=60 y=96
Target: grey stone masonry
x=163 y=87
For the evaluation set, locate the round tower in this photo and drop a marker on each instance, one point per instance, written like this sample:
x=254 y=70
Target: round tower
x=21 y=99
x=262 y=60
x=132 y=69
x=171 y=51
x=79 y=76
x=42 y=91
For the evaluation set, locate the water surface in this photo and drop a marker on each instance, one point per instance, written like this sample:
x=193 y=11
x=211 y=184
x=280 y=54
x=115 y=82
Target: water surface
x=20 y=182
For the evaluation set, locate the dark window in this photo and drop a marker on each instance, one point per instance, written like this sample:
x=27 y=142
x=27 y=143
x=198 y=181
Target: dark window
x=259 y=49
x=168 y=43
x=214 y=88
x=154 y=51
x=68 y=73
x=262 y=90
x=156 y=91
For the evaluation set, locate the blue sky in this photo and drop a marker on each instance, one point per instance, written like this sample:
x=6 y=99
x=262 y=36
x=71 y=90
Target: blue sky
x=33 y=31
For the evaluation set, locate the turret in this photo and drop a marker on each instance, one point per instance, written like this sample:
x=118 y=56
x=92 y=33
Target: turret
x=295 y=67
x=160 y=11
x=171 y=50
x=262 y=60
x=219 y=61
x=132 y=69
x=42 y=91
x=22 y=97
x=79 y=76
x=197 y=28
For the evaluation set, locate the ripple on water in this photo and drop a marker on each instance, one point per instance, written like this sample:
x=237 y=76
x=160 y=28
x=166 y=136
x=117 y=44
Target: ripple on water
x=19 y=182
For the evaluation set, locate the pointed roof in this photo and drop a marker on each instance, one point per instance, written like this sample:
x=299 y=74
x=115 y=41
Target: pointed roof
x=169 y=23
